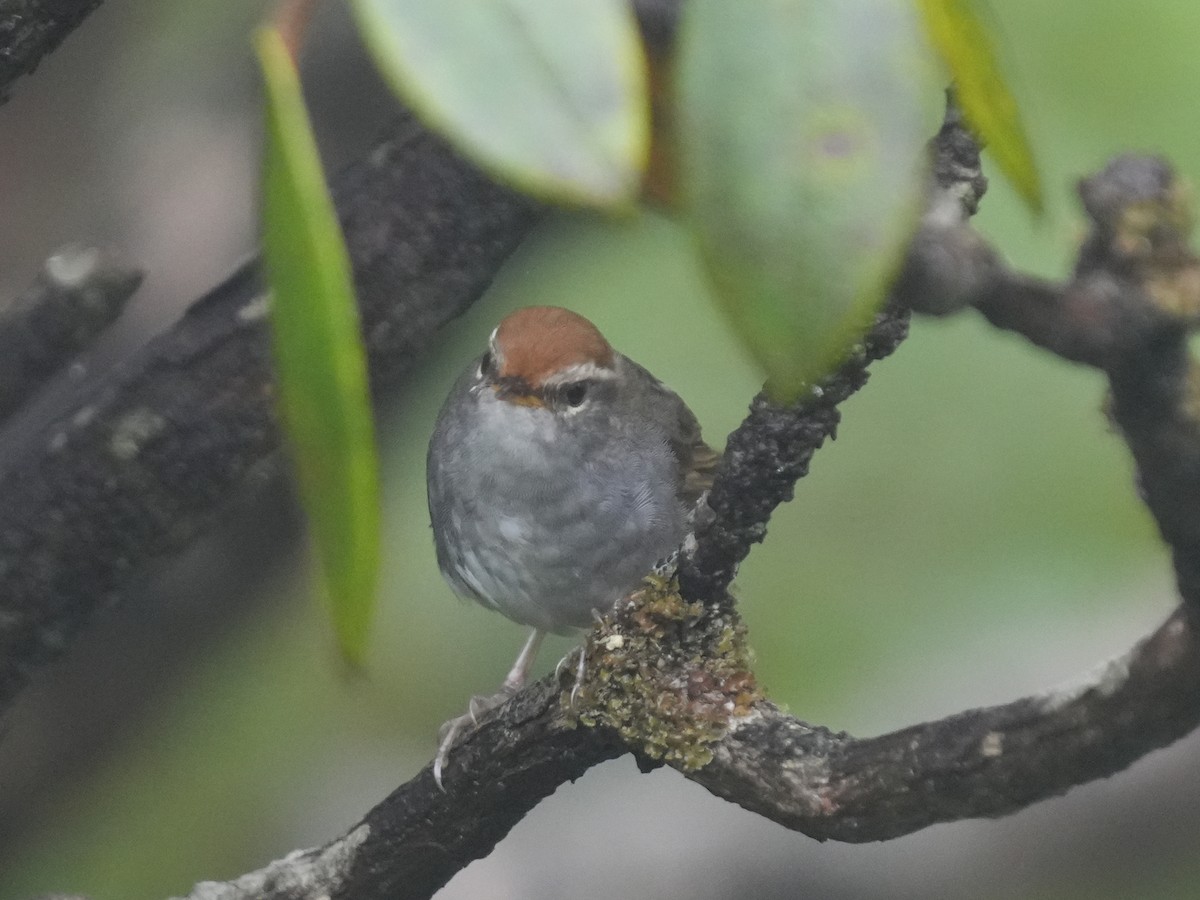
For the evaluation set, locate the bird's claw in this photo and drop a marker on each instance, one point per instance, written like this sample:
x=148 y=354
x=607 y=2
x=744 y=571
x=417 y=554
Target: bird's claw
x=667 y=566
x=580 y=672
x=479 y=706
x=446 y=736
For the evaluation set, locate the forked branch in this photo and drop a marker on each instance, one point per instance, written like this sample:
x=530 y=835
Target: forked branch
x=984 y=762
x=426 y=233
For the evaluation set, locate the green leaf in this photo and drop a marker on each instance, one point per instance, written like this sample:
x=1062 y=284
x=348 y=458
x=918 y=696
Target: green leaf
x=550 y=95
x=802 y=138
x=319 y=357
x=961 y=40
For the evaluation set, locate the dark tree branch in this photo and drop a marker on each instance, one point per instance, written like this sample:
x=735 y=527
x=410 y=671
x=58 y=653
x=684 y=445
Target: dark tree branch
x=985 y=762
x=141 y=464
x=769 y=452
x=1127 y=310
x=29 y=29
x=1133 y=296
x=414 y=841
x=774 y=445
x=153 y=451
x=76 y=296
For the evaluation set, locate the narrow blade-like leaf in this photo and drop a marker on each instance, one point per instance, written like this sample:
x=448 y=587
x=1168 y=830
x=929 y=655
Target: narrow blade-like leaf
x=319 y=357
x=958 y=34
x=550 y=95
x=802 y=133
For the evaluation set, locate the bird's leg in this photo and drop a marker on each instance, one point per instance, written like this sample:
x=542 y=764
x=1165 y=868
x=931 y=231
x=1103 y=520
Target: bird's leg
x=481 y=704
x=520 y=670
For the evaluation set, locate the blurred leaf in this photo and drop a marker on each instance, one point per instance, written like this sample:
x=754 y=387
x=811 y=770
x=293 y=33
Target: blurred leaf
x=550 y=95
x=961 y=40
x=319 y=354
x=802 y=134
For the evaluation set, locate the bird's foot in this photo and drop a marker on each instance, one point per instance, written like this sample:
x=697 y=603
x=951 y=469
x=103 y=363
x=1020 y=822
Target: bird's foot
x=448 y=734
x=667 y=566
x=580 y=664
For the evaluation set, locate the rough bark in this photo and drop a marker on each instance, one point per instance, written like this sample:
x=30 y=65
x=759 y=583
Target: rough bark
x=138 y=466
x=984 y=762
x=979 y=763
x=29 y=29
x=141 y=463
x=75 y=297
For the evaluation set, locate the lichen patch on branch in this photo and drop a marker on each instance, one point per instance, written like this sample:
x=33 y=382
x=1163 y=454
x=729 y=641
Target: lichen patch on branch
x=669 y=676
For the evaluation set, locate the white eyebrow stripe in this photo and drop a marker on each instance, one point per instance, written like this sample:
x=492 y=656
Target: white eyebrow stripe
x=586 y=371
x=494 y=350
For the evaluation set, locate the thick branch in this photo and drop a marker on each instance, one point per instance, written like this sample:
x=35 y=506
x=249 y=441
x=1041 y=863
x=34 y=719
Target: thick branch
x=192 y=416
x=29 y=29
x=984 y=762
x=980 y=763
x=499 y=772
x=75 y=297
x=414 y=841
x=139 y=466
x=1127 y=309
x=141 y=462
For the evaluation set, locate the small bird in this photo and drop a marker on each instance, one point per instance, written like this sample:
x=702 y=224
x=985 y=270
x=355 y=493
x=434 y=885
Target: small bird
x=559 y=473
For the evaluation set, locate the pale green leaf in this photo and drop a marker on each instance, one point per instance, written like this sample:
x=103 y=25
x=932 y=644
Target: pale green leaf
x=550 y=95
x=318 y=351
x=802 y=133
x=958 y=34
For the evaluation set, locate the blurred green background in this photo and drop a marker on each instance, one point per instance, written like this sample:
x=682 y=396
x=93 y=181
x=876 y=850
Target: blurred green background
x=972 y=535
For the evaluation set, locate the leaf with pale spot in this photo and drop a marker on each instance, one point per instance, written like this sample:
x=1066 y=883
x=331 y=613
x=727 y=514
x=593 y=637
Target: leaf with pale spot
x=802 y=127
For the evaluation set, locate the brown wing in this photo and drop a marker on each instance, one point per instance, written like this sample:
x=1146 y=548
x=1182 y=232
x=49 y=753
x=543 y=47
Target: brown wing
x=697 y=461
x=698 y=477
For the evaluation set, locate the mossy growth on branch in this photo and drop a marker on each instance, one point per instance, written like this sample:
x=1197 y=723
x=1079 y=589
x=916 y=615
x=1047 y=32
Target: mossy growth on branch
x=668 y=676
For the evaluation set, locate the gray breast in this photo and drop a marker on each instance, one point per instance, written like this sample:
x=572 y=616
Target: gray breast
x=540 y=523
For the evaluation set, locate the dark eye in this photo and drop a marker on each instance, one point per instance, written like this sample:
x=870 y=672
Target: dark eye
x=485 y=363
x=575 y=393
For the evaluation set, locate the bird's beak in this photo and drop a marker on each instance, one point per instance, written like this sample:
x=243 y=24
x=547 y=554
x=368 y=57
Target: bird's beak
x=518 y=395
x=530 y=400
